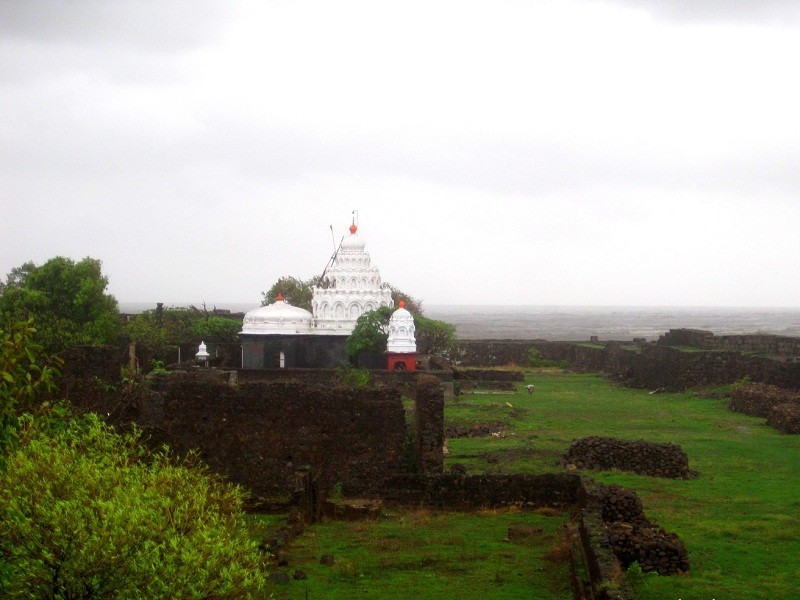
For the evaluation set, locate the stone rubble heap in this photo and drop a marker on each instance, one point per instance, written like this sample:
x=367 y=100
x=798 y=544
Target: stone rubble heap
x=633 y=538
x=785 y=417
x=781 y=407
x=644 y=458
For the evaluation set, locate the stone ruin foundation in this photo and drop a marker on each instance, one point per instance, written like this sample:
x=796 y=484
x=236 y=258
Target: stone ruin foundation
x=631 y=536
x=301 y=439
x=779 y=406
x=643 y=458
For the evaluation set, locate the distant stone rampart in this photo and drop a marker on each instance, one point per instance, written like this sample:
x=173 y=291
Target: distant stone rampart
x=773 y=345
x=674 y=366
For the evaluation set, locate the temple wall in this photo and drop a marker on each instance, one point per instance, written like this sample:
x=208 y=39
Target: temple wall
x=259 y=434
x=302 y=351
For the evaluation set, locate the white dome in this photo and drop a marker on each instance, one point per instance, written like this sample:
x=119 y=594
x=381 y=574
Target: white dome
x=352 y=243
x=279 y=317
x=401 y=332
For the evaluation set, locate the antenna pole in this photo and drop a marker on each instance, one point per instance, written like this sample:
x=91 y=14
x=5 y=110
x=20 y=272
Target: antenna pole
x=333 y=256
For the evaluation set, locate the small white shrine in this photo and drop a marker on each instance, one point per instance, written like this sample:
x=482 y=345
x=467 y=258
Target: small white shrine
x=401 y=347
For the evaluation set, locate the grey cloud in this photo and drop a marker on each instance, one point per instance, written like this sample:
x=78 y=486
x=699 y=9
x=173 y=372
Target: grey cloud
x=761 y=12
x=148 y=26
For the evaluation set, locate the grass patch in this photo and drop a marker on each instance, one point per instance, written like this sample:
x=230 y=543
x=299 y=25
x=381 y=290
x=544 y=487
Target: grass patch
x=738 y=519
x=432 y=555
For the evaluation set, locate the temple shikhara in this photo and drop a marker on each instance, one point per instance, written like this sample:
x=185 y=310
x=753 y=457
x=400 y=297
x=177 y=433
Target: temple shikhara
x=281 y=335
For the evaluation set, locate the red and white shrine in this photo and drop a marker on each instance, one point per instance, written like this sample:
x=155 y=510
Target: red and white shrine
x=401 y=347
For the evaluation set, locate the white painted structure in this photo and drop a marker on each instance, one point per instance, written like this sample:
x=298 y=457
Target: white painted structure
x=279 y=317
x=401 y=332
x=350 y=287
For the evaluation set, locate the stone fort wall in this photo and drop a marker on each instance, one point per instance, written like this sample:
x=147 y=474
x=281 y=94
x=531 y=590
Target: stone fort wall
x=672 y=367
x=775 y=345
x=260 y=433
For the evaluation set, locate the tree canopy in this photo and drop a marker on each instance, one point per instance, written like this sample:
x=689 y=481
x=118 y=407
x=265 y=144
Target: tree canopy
x=370 y=333
x=296 y=292
x=86 y=512
x=68 y=300
x=181 y=325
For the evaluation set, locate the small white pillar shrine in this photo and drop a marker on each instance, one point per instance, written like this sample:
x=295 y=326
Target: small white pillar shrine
x=202 y=353
x=401 y=347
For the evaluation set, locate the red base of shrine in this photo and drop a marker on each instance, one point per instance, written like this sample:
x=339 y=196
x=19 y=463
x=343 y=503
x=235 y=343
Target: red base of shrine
x=401 y=362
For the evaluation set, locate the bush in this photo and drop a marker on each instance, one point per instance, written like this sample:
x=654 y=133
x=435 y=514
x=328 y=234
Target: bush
x=88 y=513
x=352 y=376
x=535 y=360
x=25 y=373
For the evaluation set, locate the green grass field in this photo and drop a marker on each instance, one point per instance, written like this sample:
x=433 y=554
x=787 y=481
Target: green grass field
x=738 y=518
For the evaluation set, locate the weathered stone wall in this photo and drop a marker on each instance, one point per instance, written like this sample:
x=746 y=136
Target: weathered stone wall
x=495 y=353
x=657 y=366
x=645 y=458
x=456 y=491
x=260 y=434
x=778 y=345
x=429 y=425
x=652 y=366
x=694 y=338
x=331 y=377
x=612 y=519
x=89 y=373
x=757 y=399
x=785 y=417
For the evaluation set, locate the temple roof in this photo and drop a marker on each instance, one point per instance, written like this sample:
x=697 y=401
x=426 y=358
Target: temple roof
x=278 y=317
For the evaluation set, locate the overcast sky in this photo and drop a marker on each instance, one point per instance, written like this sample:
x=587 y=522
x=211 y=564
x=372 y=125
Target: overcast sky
x=521 y=152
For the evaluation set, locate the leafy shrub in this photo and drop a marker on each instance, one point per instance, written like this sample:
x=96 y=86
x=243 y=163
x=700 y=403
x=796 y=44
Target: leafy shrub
x=25 y=372
x=535 y=360
x=352 y=376
x=158 y=368
x=370 y=332
x=88 y=513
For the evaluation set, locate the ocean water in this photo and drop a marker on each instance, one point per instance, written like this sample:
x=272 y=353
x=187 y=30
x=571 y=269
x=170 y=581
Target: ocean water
x=577 y=323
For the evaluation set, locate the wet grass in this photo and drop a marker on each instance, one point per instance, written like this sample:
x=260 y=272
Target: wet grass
x=738 y=519
x=432 y=555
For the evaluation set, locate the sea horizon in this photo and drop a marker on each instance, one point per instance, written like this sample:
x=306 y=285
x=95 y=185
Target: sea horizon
x=578 y=323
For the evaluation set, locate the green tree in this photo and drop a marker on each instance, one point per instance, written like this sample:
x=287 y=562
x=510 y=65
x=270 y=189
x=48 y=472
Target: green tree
x=434 y=337
x=67 y=299
x=181 y=325
x=370 y=332
x=413 y=305
x=295 y=291
x=217 y=329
